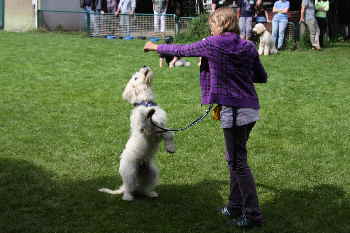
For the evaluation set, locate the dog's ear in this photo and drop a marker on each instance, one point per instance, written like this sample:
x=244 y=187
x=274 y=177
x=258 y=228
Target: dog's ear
x=261 y=27
x=148 y=78
x=126 y=94
x=130 y=92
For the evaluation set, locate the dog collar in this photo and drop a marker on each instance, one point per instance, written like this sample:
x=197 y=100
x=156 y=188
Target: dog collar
x=146 y=104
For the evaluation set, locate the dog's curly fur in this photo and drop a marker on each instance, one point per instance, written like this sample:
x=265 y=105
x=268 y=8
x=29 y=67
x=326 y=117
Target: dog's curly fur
x=266 y=44
x=137 y=168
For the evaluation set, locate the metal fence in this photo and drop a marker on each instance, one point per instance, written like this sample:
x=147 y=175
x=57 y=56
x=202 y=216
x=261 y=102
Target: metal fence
x=53 y=20
x=137 y=25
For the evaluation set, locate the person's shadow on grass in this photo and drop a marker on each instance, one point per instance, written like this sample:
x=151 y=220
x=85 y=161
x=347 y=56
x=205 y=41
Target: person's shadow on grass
x=31 y=200
x=323 y=208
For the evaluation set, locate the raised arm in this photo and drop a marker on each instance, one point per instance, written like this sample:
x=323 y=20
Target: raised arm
x=196 y=49
x=282 y=11
x=213 y=7
x=118 y=8
x=302 y=13
x=267 y=16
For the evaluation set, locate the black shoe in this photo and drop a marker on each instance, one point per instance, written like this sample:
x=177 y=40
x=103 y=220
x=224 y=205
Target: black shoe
x=244 y=222
x=225 y=211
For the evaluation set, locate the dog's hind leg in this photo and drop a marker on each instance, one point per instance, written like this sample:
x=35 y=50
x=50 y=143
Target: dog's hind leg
x=128 y=171
x=273 y=49
x=261 y=47
x=169 y=142
x=148 y=176
x=266 y=49
x=129 y=186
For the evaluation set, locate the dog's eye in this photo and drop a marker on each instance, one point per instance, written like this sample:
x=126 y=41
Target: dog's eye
x=135 y=78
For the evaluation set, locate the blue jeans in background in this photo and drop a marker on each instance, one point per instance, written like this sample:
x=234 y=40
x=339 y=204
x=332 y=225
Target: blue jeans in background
x=89 y=14
x=278 y=30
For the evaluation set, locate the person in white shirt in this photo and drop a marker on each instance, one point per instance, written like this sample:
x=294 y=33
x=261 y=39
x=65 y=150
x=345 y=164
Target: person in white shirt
x=126 y=8
x=159 y=8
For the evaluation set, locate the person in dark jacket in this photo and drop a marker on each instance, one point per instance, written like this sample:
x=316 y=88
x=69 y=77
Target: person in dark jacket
x=343 y=7
x=99 y=6
x=85 y=3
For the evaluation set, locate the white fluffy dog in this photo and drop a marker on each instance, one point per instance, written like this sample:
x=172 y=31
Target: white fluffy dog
x=137 y=168
x=266 y=45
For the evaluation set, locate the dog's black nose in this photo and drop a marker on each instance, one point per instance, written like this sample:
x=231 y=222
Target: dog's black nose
x=144 y=66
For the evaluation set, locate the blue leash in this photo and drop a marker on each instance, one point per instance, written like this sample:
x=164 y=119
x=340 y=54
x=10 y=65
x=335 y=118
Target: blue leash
x=193 y=123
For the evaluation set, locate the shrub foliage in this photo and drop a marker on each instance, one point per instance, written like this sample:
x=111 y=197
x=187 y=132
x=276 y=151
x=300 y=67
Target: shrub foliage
x=197 y=30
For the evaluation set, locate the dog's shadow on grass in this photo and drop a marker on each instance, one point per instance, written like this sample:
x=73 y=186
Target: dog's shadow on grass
x=32 y=201
x=323 y=208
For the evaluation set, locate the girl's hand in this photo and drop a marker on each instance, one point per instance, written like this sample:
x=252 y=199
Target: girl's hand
x=149 y=46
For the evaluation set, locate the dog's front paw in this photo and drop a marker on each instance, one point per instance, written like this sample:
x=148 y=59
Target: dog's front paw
x=170 y=148
x=169 y=142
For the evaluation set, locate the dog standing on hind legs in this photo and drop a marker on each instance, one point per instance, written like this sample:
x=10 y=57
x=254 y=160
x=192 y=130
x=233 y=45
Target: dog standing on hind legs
x=137 y=167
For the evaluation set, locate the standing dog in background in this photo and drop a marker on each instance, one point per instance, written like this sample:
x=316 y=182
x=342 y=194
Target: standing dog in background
x=139 y=173
x=172 y=61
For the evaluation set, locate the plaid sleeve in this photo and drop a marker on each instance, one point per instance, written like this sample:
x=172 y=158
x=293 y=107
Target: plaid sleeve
x=260 y=75
x=196 y=49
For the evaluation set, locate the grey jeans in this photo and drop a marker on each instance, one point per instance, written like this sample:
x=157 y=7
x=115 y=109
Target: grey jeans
x=314 y=30
x=245 y=26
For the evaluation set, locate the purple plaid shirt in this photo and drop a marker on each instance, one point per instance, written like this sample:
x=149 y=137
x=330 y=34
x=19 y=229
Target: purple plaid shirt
x=230 y=67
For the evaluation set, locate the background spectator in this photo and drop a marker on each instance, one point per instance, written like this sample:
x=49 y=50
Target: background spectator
x=112 y=6
x=99 y=6
x=279 y=22
x=126 y=8
x=322 y=7
x=261 y=15
x=246 y=11
x=159 y=9
x=87 y=6
x=307 y=15
x=215 y=4
x=343 y=7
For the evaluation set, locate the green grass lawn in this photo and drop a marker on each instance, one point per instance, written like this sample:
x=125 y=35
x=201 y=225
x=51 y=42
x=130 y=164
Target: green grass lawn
x=63 y=126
